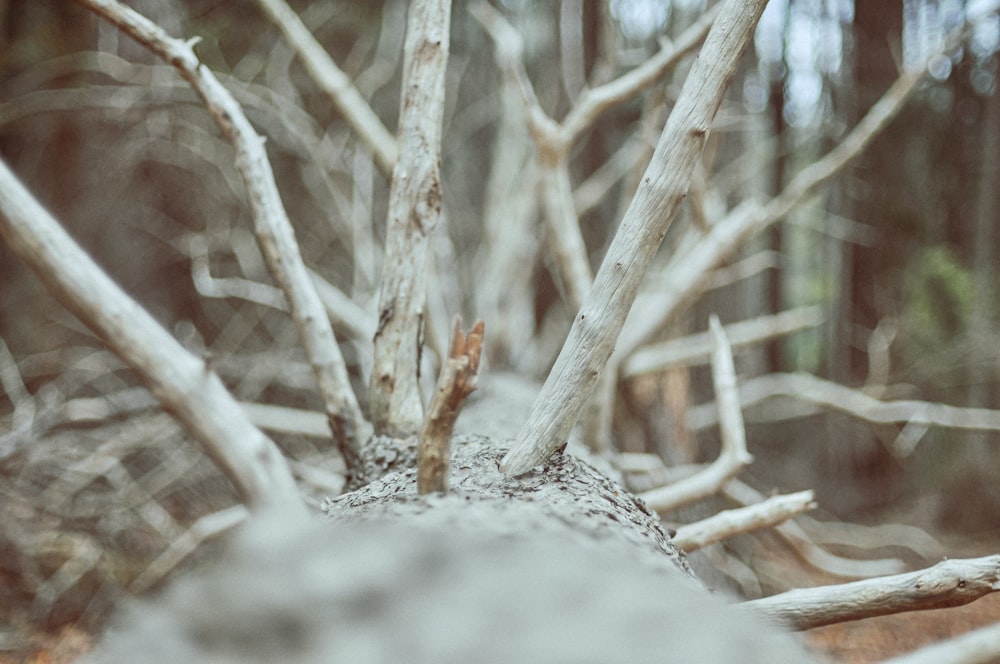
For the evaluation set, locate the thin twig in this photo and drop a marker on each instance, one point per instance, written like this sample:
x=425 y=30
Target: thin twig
x=696 y=348
x=834 y=396
x=733 y=455
x=335 y=83
x=456 y=381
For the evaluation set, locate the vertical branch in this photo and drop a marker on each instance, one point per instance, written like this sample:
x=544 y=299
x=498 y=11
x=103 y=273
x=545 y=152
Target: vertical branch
x=414 y=210
x=596 y=326
x=456 y=381
x=271 y=224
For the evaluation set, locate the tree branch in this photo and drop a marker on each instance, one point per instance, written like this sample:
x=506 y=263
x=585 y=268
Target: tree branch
x=729 y=523
x=414 y=211
x=733 y=456
x=949 y=583
x=835 y=396
x=335 y=83
x=696 y=348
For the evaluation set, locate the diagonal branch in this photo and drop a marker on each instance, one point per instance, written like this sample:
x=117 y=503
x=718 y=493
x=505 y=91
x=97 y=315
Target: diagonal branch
x=183 y=383
x=271 y=224
x=598 y=323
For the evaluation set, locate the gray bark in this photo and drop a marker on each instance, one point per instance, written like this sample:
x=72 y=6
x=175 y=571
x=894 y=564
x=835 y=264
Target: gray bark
x=557 y=565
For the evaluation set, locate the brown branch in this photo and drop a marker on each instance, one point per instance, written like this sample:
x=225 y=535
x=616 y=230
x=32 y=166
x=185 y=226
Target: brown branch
x=949 y=583
x=457 y=381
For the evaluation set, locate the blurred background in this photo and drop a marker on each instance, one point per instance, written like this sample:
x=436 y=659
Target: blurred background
x=900 y=253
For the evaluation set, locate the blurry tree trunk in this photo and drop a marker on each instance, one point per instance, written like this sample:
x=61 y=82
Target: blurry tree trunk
x=855 y=455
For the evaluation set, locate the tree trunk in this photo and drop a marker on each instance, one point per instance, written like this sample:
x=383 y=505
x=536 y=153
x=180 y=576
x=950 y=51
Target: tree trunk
x=558 y=564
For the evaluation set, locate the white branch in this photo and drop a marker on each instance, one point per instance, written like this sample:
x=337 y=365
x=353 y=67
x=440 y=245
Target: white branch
x=818 y=557
x=414 y=211
x=182 y=383
x=729 y=523
x=809 y=388
x=696 y=348
x=733 y=455
x=596 y=326
x=949 y=583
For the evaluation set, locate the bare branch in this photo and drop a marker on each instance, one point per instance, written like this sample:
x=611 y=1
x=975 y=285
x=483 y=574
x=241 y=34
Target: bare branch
x=949 y=583
x=596 y=326
x=818 y=557
x=271 y=224
x=551 y=155
x=566 y=242
x=335 y=83
x=183 y=383
x=457 y=381
x=414 y=211
x=729 y=523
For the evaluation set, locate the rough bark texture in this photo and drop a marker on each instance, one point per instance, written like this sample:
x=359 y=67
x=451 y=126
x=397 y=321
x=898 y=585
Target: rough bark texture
x=565 y=496
x=457 y=381
x=414 y=212
x=302 y=592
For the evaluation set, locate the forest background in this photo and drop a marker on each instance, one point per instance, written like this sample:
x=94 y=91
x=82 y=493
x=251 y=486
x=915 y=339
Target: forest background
x=891 y=268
